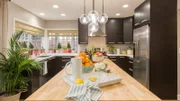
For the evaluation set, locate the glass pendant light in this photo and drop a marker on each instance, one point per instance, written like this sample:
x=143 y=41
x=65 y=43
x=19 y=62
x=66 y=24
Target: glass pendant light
x=93 y=15
x=84 y=18
x=103 y=18
x=93 y=27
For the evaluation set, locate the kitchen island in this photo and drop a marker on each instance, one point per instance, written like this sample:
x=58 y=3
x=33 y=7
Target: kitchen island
x=128 y=89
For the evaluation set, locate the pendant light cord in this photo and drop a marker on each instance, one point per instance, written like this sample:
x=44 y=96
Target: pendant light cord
x=84 y=6
x=93 y=6
x=102 y=6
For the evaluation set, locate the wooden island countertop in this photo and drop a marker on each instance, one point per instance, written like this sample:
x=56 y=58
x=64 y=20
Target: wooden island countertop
x=128 y=89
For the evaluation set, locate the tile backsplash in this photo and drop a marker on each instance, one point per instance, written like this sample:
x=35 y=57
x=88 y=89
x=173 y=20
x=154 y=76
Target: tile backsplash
x=100 y=42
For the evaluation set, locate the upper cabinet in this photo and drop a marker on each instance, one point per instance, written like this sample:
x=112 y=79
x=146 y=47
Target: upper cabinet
x=119 y=30
x=128 y=29
x=82 y=33
x=114 y=31
x=142 y=13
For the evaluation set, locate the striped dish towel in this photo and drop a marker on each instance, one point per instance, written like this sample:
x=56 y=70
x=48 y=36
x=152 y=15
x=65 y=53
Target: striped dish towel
x=86 y=92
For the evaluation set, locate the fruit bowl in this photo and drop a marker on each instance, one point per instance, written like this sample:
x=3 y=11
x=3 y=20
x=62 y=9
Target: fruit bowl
x=87 y=69
x=97 y=58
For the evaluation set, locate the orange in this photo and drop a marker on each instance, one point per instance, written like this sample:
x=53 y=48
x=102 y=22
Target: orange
x=87 y=60
x=83 y=64
x=83 y=60
x=87 y=64
x=83 y=54
x=90 y=63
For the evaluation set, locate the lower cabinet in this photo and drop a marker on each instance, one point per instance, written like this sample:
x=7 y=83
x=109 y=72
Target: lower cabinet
x=125 y=63
x=37 y=79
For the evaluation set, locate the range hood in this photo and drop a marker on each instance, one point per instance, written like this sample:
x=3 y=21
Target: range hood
x=99 y=33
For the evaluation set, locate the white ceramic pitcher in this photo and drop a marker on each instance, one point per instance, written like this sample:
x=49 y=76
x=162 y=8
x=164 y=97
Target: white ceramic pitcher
x=76 y=67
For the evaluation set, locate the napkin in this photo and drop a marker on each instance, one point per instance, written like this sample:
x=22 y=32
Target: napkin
x=84 y=92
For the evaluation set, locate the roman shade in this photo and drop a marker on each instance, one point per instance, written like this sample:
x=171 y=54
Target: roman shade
x=28 y=29
x=62 y=33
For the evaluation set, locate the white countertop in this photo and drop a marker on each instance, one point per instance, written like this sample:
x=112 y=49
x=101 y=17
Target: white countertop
x=62 y=54
x=53 y=55
x=131 y=56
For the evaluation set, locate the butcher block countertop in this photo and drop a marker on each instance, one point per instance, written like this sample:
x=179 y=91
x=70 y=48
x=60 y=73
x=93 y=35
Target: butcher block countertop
x=128 y=89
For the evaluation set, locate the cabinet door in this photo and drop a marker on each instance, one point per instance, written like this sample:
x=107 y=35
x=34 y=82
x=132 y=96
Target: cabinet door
x=142 y=13
x=128 y=30
x=129 y=66
x=113 y=59
x=82 y=33
x=122 y=63
x=114 y=31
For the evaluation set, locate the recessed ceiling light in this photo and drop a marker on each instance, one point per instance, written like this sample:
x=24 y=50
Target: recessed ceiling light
x=42 y=14
x=55 y=6
x=125 y=6
x=63 y=14
x=118 y=14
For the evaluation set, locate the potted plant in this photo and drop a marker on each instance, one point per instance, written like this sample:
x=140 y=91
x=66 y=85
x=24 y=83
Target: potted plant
x=112 y=49
x=35 y=52
x=42 y=50
x=12 y=67
x=68 y=48
x=54 y=50
x=31 y=48
x=64 y=49
x=59 y=47
x=51 y=50
x=73 y=50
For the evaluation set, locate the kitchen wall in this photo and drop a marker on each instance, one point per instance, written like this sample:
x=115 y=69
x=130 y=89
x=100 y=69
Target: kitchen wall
x=62 y=24
x=15 y=11
x=179 y=53
x=100 y=42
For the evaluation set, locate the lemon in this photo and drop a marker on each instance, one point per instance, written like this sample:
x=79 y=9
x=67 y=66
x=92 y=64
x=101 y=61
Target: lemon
x=93 y=78
x=79 y=81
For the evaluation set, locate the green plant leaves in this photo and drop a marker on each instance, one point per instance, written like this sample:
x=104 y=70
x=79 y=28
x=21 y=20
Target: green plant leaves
x=14 y=65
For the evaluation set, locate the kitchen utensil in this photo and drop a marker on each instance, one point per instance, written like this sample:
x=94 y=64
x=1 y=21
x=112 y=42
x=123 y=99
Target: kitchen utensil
x=76 y=67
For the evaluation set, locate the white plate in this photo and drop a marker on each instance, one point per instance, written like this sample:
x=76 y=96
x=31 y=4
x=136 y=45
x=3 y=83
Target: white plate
x=103 y=79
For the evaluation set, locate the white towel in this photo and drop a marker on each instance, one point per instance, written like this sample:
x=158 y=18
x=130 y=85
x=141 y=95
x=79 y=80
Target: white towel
x=45 y=68
x=86 y=92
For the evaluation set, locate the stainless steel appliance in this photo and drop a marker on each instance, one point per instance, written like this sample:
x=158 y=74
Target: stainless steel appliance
x=141 y=55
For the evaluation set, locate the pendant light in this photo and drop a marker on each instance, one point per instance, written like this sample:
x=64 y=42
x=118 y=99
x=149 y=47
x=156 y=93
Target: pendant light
x=93 y=27
x=103 y=18
x=84 y=18
x=93 y=15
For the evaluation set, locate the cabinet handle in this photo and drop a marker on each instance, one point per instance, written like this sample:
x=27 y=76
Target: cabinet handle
x=66 y=60
x=137 y=24
x=130 y=69
x=144 y=20
x=114 y=60
x=121 y=57
x=131 y=62
x=130 y=58
x=67 y=57
x=83 y=42
x=127 y=42
x=120 y=42
x=112 y=57
x=111 y=42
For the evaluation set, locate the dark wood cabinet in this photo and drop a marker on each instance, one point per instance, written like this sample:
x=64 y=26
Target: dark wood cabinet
x=114 y=31
x=129 y=65
x=142 y=13
x=82 y=33
x=162 y=16
x=124 y=63
x=128 y=29
x=113 y=59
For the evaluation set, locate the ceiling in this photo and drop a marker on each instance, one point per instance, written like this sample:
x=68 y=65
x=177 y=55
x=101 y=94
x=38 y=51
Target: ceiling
x=74 y=8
